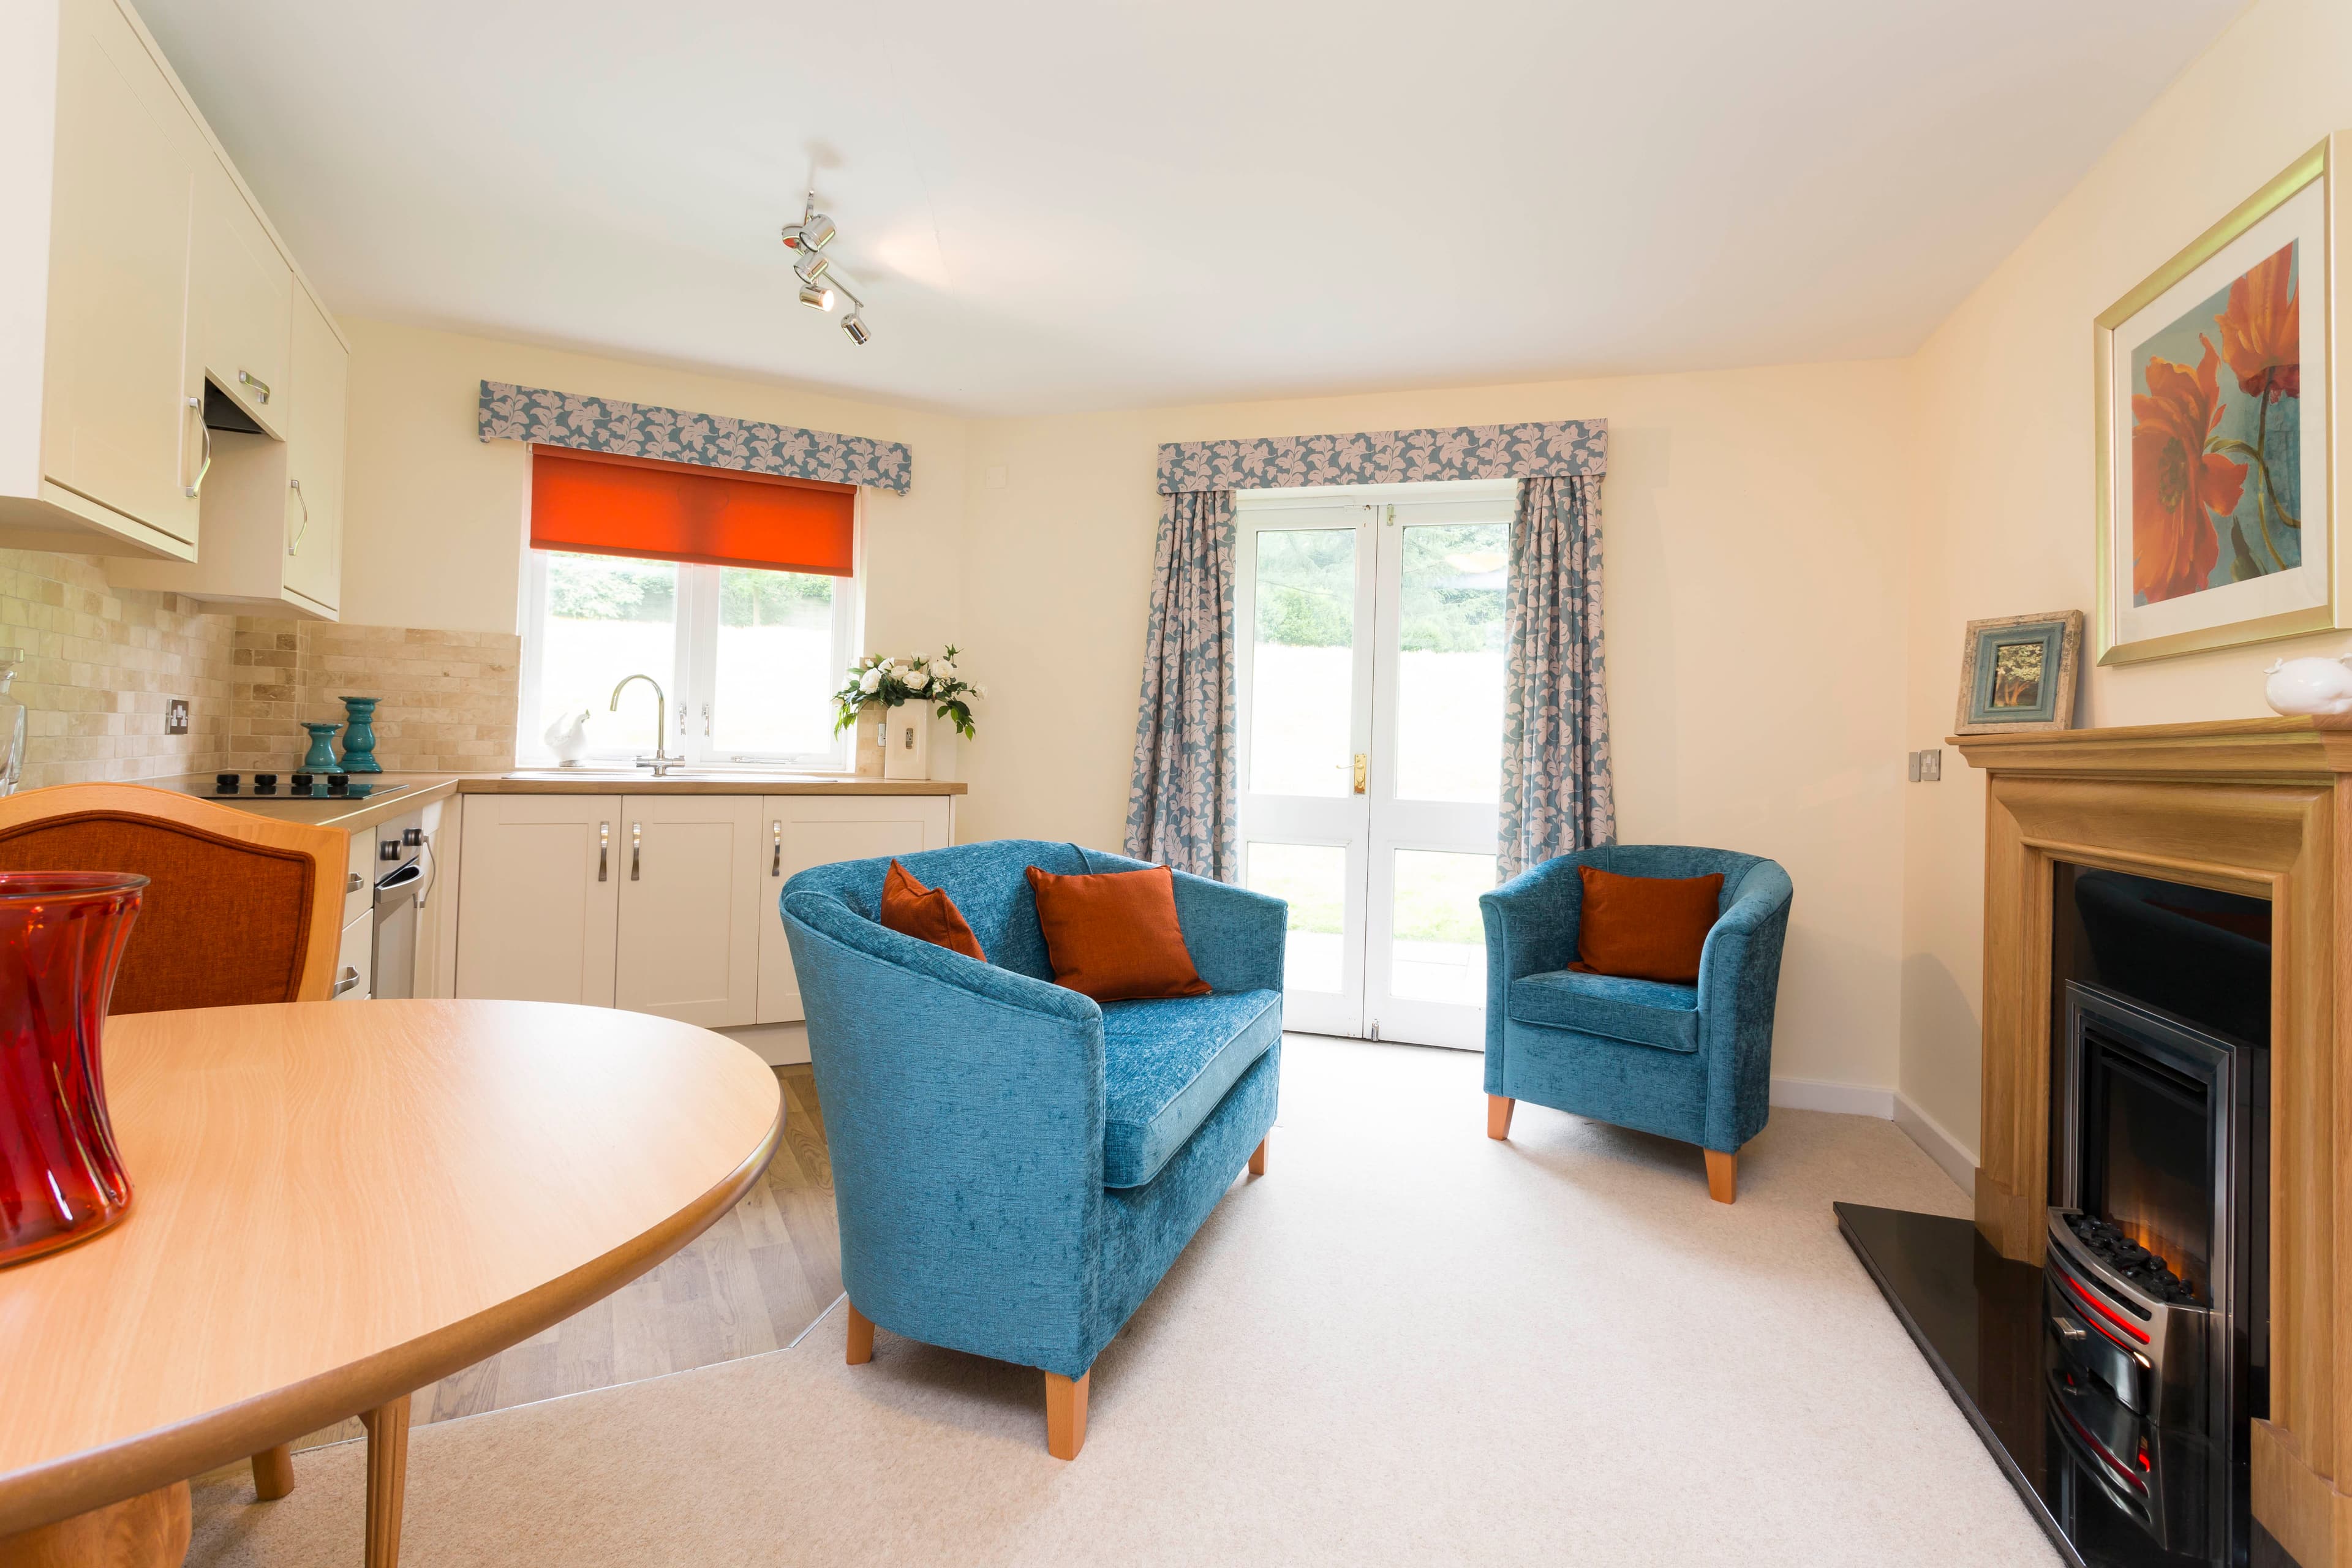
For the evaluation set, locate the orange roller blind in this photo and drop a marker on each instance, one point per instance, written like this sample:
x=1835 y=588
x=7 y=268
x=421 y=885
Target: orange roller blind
x=597 y=503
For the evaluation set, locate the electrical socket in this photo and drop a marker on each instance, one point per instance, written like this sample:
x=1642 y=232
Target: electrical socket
x=176 y=717
x=1927 y=766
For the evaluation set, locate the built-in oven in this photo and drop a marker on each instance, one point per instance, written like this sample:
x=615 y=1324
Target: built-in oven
x=403 y=881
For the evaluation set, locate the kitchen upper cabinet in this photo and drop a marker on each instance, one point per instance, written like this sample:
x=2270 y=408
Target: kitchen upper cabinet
x=240 y=302
x=538 y=897
x=121 y=441
x=798 y=831
x=314 y=500
x=689 y=945
x=273 y=510
x=155 y=333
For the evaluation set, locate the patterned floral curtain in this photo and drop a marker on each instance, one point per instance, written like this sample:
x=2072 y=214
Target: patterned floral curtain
x=1181 y=805
x=1556 y=791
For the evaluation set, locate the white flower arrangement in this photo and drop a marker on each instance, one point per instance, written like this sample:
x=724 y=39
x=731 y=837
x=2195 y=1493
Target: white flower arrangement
x=919 y=678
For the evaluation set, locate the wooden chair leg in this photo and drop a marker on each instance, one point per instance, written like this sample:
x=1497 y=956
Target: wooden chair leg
x=861 y=1336
x=273 y=1472
x=387 y=1480
x=1722 y=1175
x=1066 y=1415
x=1498 y=1115
x=1257 y=1156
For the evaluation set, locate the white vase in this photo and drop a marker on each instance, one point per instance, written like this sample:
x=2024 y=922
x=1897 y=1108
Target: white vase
x=908 y=754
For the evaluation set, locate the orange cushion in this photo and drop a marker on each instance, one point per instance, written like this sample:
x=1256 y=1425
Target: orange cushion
x=1644 y=927
x=1113 y=936
x=909 y=906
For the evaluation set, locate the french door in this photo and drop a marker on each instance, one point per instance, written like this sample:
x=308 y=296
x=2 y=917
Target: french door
x=1371 y=724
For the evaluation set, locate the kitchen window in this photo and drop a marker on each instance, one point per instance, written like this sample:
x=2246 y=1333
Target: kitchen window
x=748 y=655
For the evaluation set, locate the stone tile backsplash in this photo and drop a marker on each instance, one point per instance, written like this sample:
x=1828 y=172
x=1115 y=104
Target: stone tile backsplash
x=446 y=699
x=101 y=665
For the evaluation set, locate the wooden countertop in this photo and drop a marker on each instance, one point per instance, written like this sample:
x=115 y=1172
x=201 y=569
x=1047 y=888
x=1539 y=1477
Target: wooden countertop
x=352 y=816
x=334 y=1205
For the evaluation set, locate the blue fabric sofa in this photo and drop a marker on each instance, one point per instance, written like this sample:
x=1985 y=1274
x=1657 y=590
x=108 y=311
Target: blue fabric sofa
x=1693 y=1062
x=1014 y=1165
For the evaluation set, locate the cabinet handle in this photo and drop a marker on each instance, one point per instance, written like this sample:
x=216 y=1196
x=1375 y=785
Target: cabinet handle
x=295 y=547
x=207 y=466
x=776 y=857
x=354 y=882
x=347 y=980
x=637 y=846
x=603 y=847
x=246 y=378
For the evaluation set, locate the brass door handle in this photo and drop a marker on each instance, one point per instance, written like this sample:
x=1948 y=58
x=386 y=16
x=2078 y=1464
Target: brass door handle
x=1362 y=765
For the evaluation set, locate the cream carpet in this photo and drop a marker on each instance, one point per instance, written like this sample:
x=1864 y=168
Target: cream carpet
x=1405 y=1344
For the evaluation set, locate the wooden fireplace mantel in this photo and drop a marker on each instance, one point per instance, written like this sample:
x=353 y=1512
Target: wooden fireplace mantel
x=2262 y=807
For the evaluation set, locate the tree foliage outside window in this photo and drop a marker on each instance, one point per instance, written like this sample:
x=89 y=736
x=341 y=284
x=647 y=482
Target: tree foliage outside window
x=619 y=588
x=1451 y=600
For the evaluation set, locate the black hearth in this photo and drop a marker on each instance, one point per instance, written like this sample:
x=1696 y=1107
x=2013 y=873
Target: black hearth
x=2117 y=1383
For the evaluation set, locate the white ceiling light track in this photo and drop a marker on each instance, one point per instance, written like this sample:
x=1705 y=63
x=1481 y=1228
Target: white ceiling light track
x=819 y=281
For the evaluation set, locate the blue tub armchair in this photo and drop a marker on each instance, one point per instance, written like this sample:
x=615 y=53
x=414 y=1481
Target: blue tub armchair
x=1693 y=1062
x=1014 y=1165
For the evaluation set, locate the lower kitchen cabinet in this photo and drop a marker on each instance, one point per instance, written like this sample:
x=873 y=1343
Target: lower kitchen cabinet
x=689 y=941
x=658 y=903
x=538 y=897
x=799 y=831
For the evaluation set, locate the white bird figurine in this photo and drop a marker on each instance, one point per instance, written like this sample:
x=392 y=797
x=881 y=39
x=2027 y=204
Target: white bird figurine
x=568 y=738
x=2310 y=685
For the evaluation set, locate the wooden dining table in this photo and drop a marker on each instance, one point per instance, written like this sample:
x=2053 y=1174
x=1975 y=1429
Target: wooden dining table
x=335 y=1204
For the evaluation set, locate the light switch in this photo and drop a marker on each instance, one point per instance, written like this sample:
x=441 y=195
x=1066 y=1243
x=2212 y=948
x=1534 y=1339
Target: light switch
x=1911 y=759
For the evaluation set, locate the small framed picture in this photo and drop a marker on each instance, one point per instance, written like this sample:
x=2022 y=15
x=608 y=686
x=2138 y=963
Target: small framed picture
x=2018 y=672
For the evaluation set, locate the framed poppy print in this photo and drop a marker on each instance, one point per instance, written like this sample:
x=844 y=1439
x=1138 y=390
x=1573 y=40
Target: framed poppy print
x=2216 y=522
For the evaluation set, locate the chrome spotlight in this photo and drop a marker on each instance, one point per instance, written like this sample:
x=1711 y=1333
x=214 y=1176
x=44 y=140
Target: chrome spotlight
x=816 y=298
x=855 y=325
x=816 y=232
x=809 y=266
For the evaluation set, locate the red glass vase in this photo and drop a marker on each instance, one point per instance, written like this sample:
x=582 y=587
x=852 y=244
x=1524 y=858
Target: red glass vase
x=61 y=939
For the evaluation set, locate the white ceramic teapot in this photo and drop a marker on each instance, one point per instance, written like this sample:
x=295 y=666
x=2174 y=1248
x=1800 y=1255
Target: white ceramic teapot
x=568 y=738
x=2310 y=685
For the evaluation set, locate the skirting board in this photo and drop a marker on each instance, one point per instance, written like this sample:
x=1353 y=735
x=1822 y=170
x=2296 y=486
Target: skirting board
x=778 y=1045
x=1845 y=1099
x=1943 y=1148
x=1887 y=1104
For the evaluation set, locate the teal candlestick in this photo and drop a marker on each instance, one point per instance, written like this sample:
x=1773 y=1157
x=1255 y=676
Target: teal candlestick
x=359 y=736
x=321 y=758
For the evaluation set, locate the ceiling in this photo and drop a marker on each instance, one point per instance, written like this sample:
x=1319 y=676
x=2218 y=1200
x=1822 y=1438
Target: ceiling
x=1079 y=205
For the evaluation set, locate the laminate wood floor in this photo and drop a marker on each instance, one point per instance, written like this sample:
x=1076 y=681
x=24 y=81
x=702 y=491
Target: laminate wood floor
x=754 y=1281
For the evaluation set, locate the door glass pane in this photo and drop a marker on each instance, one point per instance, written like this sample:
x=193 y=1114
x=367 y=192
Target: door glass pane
x=1439 y=952
x=1450 y=662
x=1303 y=670
x=776 y=673
x=1313 y=878
x=608 y=618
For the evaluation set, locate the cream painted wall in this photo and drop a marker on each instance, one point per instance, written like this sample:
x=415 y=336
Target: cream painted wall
x=2002 y=501
x=1755 y=558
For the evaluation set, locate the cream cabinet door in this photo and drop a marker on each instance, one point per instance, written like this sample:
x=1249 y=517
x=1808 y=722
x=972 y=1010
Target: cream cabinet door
x=314 y=457
x=798 y=831
x=240 y=302
x=689 y=946
x=539 y=896
x=118 y=429
x=355 y=960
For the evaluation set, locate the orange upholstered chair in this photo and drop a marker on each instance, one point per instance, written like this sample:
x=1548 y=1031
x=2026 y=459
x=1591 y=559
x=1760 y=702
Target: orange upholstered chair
x=239 y=908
